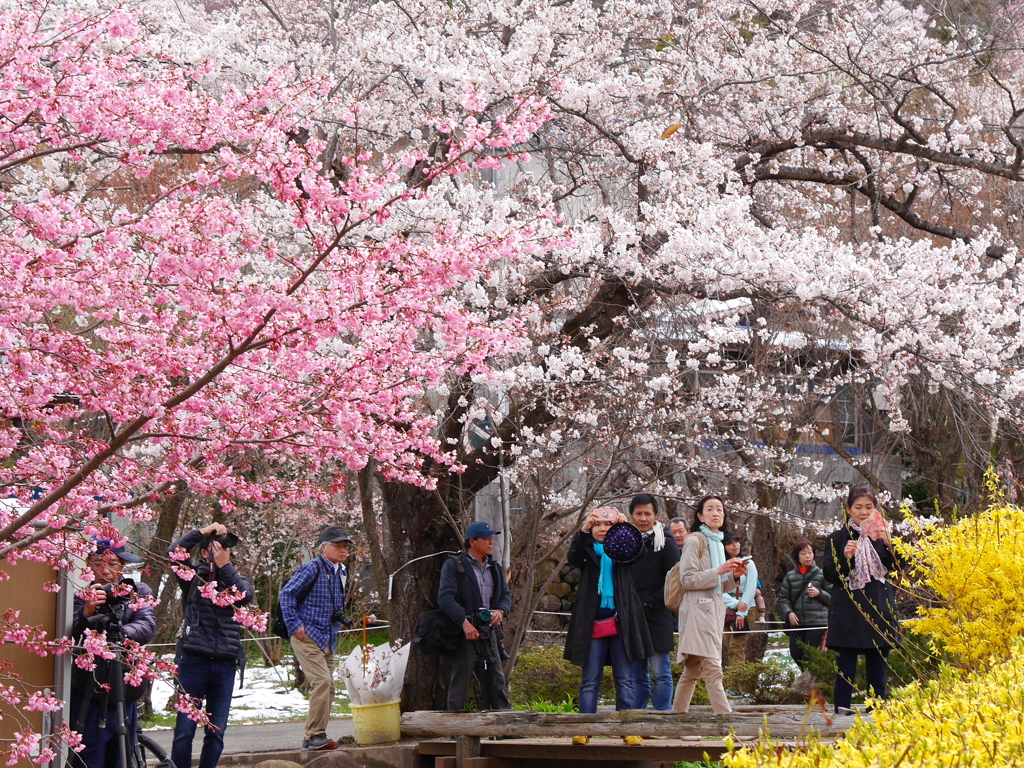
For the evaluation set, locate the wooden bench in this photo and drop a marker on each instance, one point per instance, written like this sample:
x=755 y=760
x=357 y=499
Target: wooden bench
x=688 y=735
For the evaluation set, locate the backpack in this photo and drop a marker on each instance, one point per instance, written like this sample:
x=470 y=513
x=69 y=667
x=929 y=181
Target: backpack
x=277 y=625
x=435 y=633
x=673 y=587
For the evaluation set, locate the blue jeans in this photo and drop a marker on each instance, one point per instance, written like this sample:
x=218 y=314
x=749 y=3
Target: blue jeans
x=664 y=688
x=212 y=680
x=593 y=670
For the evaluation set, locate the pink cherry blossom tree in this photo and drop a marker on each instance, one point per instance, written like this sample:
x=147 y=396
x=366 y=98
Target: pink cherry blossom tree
x=185 y=284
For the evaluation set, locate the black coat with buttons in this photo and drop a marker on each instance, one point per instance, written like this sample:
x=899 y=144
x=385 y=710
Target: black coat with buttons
x=861 y=619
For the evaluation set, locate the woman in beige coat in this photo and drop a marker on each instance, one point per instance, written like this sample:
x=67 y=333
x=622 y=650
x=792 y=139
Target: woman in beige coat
x=705 y=574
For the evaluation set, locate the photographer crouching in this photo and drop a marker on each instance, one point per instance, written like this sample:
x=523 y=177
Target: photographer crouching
x=474 y=594
x=103 y=709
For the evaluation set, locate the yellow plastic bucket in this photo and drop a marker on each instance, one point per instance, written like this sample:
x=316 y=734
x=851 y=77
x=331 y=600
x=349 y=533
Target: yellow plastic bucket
x=377 y=723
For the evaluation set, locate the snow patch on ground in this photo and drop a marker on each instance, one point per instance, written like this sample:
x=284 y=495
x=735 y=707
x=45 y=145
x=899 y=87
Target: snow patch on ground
x=268 y=696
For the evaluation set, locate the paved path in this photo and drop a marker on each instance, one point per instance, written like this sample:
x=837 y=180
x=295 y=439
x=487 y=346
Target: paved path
x=258 y=737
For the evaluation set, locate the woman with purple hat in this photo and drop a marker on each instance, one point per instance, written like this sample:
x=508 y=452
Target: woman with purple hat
x=607 y=617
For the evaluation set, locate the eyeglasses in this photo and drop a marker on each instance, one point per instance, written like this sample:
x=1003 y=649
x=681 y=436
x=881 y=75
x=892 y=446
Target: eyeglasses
x=109 y=562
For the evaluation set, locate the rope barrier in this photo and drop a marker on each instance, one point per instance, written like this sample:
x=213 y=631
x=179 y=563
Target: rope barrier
x=744 y=632
x=270 y=637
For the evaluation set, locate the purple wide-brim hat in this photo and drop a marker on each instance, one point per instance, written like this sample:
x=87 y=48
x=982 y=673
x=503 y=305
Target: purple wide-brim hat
x=623 y=543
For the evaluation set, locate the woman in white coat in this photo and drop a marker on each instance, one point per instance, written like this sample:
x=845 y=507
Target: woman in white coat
x=705 y=574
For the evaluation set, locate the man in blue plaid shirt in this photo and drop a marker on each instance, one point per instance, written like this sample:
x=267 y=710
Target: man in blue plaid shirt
x=312 y=604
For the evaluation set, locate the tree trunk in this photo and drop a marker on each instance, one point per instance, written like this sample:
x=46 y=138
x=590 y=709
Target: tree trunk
x=415 y=526
x=156 y=558
x=377 y=559
x=766 y=556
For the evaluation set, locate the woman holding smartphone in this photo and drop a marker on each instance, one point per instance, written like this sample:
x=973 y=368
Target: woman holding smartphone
x=705 y=574
x=862 y=619
x=607 y=618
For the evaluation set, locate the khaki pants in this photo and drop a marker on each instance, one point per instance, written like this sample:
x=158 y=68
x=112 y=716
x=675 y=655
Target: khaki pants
x=318 y=667
x=736 y=641
x=735 y=648
x=694 y=668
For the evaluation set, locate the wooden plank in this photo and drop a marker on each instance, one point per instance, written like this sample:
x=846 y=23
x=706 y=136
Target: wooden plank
x=530 y=752
x=466 y=749
x=436 y=748
x=605 y=750
x=785 y=724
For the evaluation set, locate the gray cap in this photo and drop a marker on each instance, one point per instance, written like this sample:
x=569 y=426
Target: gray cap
x=333 y=533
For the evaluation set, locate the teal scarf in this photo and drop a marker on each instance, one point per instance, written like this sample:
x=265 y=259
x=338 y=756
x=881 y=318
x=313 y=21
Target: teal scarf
x=605 y=583
x=717 y=551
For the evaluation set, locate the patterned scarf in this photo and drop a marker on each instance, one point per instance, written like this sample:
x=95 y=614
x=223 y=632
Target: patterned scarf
x=866 y=563
x=717 y=550
x=605 y=581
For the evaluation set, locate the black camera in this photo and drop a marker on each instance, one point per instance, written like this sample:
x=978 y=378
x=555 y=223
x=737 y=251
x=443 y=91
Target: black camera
x=481 y=619
x=340 y=616
x=112 y=613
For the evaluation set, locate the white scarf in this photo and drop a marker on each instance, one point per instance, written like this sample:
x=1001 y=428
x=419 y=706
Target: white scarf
x=658 y=534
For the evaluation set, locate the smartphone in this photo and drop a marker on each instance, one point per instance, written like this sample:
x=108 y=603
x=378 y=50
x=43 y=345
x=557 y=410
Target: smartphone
x=875 y=525
x=747 y=558
x=606 y=515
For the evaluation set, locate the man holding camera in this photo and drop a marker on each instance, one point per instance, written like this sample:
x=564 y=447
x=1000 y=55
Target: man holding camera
x=312 y=605
x=106 y=608
x=474 y=594
x=210 y=642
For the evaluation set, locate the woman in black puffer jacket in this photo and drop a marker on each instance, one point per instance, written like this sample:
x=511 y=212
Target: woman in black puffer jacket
x=804 y=598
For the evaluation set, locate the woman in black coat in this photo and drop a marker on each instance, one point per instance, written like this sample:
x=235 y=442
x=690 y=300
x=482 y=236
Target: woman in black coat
x=598 y=599
x=862 y=618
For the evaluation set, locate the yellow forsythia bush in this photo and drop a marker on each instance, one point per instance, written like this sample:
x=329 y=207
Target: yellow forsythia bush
x=957 y=720
x=973 y=572
x=970 y=577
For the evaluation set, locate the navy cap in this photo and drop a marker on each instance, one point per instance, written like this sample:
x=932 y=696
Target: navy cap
x=104 y=545
x=334 y=533
x=480 y=530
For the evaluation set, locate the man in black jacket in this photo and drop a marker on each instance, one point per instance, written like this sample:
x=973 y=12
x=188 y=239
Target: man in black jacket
x=474 y=594
x=211 y=639
x=649 y=571
x=107 y=608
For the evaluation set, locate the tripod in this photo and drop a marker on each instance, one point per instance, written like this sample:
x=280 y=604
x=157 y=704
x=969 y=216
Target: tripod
x=112 y=694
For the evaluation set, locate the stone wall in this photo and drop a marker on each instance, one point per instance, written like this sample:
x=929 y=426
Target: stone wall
x=558 y=597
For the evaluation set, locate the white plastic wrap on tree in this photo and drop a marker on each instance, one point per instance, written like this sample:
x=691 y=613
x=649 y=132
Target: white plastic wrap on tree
x=378 y=678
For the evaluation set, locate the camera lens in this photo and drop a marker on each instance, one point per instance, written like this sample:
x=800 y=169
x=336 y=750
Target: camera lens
x=485 y=616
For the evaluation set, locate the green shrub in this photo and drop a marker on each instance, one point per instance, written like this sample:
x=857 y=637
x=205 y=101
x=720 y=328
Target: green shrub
x=567 y=705
x=766 y=682
x=542 y=677
x=541 y=674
